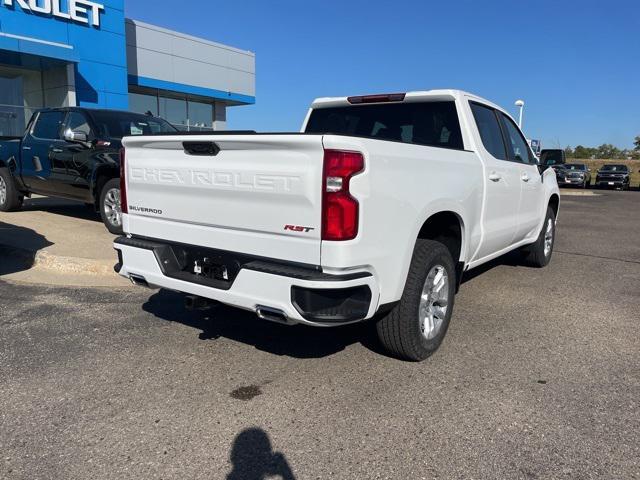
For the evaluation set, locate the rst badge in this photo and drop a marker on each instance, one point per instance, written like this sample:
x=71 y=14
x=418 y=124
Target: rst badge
x=298 y=228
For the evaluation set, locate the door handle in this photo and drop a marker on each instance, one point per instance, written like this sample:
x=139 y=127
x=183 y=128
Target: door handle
x=525 y=177
x=26 y=148
x=57 y=150
x=495 y=177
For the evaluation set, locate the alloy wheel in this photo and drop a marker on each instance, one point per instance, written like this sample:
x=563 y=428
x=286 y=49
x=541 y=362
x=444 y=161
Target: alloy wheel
x=3 y=191
x=434 y=302
x=112 y=207
x=548 y=237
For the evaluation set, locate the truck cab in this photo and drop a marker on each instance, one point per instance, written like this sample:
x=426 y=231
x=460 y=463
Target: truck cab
x=72 y=153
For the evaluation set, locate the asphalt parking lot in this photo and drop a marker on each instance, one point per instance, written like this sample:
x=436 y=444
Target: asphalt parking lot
x=538 y=378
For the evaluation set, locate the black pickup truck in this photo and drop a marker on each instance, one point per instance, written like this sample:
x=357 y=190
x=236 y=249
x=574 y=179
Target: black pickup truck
x=72 y=153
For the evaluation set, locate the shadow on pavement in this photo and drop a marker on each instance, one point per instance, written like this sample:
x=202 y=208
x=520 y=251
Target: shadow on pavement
x=296 y=341
x=511 y=259
x=18 y=248
x=68 y=208
x=253 y=458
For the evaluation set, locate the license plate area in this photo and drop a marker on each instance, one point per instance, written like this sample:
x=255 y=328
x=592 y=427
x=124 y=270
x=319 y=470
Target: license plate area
x=204 y=266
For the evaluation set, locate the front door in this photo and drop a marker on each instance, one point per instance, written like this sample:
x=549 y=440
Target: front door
x=40 y=170
x=532 y=194
x=75 y=157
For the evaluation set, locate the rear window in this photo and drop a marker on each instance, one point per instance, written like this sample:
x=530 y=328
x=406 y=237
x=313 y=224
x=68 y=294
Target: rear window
x=551 y=157
x=427 y=123
x=575 y=166
x=118 y=124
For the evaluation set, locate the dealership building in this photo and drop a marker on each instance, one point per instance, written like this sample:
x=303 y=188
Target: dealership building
x=56 y=53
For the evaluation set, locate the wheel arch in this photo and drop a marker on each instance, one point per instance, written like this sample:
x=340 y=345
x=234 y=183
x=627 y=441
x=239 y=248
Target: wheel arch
x=100 y=177
x=448 y=228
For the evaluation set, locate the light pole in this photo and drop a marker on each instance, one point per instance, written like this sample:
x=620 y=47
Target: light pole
x=520 y=104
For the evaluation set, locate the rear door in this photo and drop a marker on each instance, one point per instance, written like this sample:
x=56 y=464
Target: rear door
x=502 y=184
x=532 y=193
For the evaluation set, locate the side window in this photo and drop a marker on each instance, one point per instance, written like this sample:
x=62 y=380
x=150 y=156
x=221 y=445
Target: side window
x=517 y=145
x=48 y=125
x=77 y=122
x=489 y=129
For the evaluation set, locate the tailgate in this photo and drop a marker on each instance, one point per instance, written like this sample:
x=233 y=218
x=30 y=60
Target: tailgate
x=259 y=194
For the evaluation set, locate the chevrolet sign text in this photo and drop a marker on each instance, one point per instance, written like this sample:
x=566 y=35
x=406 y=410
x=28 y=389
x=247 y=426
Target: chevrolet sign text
x=81 y=11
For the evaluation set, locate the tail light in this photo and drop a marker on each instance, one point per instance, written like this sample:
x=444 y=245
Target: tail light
x=123 y=183
x=339 y=208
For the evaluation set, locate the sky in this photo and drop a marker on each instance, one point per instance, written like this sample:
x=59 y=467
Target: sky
x=576 y=64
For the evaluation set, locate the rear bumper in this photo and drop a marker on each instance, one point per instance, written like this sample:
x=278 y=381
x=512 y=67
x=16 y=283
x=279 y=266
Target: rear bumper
x=570 y=181
x=303 y=295
x=611 y=183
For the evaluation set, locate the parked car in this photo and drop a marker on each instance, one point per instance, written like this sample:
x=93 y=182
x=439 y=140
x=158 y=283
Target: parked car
x=72 y=153
x=375 y=210
x=574 y=174
x=616 y=176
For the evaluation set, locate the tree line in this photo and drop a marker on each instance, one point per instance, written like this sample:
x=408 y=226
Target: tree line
x=605 y=151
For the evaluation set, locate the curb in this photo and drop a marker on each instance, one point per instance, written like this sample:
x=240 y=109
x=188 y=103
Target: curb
x=43 y=260
x=580 y=193
x=76 y=265
x=26 y=266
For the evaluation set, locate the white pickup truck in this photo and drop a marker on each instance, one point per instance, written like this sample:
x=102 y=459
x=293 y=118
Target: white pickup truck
x=373 y=211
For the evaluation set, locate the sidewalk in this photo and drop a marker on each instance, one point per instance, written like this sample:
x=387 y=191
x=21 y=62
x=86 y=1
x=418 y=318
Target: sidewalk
x=57 y=242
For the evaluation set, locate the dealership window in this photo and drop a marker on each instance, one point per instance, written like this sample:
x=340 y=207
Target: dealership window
x=183 y=112
x=141 y=103
x=174 y=111
x=20 y=93
x=200 y=115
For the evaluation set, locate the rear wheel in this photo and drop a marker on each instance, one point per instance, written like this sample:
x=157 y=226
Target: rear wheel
x=538 y=254
x=10 y=198
x=415 y=328
x=110 y=207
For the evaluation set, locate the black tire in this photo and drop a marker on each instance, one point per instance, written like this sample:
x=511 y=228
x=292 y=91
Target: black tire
x=534 y=254
x=10 y=198
x=106 y=200
x=399 y=330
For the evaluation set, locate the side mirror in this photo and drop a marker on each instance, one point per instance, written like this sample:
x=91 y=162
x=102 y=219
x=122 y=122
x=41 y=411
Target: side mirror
x=75 y=136
x=543 y=168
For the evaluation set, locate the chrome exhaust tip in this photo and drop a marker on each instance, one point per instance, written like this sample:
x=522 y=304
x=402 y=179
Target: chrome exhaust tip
x=138 y=280
x=272 y=314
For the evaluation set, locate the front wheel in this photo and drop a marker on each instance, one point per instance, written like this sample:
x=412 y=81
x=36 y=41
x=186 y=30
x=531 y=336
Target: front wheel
x=110 y=207
x=415 y=328
x=538 y=254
